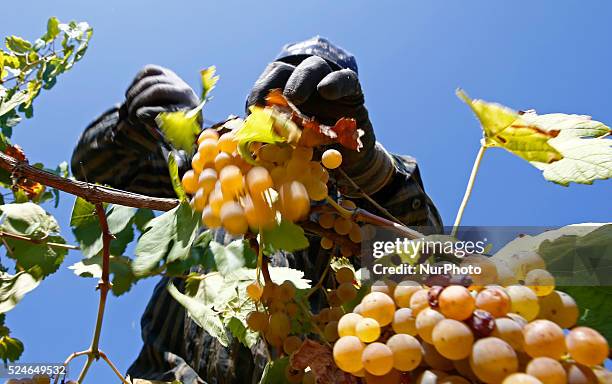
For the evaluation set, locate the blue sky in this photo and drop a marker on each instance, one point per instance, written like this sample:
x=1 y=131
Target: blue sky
x=548 y=55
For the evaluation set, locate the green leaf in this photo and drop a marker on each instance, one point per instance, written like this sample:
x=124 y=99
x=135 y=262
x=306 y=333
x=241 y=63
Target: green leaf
x=10 y=349
x=119 y=217
x=505 y=128
x=52 y=30
x=285 y=236
x=180 y=129
x=142 y=217
x=17 y=44
x=169 y=236
x=595 y=304
x=209 y=80
x=82 y=212
x=258 y=127
x=242 y=333
x=120 y=267
x=174 y=177
x=281 y=274
x=274 y=372
x=14 y=287
x=28 y=219
x=86 y=227
x=45 y=258
x=233 y=256
x=202 y=315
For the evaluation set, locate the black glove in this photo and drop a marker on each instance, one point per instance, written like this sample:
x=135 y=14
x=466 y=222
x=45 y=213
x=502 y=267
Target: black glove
x=321 y=92
x=156 y=89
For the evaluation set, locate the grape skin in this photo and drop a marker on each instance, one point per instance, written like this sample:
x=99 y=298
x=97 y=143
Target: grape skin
x=547 y=370
x=378 y=306
x=345 y=275
x=587 y=346
x=560 y=308
x=540 y=281
x=456 y=302
x=407 y=352
x=544 y=338
x=419 y=301
x=347 y=353
x=453 y=339
x=331 y=159
x=510 y=331
x=524 y=301
x=493 y=359
x=426 y=320
x=367 y=330
x=521 y=378
x=404 y=322
x=434 y=359
x=377 y=359
x=493 y=300
x=347 y=323
x=404 y=291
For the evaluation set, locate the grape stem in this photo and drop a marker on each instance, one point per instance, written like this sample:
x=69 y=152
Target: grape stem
x=468 y=189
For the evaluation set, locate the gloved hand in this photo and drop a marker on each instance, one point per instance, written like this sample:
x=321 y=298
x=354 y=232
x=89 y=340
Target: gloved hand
x=156 y=89
x=321 y=92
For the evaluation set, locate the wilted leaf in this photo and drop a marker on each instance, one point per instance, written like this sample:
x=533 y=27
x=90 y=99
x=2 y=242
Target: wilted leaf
x=202 y=315
x=286 y=236
x=321 y=361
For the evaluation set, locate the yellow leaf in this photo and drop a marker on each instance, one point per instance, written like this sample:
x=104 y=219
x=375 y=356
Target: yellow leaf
x=258 y=127
x=209 y=80
x=180 y=129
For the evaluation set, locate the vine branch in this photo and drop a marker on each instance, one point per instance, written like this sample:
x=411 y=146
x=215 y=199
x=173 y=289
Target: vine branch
x=468 y=190
x=37 y=241
x=90 y=192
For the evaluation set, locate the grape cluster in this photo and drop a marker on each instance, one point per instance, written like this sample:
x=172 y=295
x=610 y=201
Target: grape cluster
x=332 y=220
x=490 y=334
x=234 y=194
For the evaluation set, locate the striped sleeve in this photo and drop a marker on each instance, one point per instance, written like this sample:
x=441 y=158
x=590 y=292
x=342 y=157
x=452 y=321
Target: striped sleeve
x=113 y=152
x=395 y=183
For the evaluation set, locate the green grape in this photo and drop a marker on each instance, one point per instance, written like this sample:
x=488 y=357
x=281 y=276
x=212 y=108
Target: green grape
x=199 y=200
x=231 y=180
x=385 y=286
x=222 y=160
x=286 y=291
x=407 y=352
x=505 y=275
x=524 y=301
x=522 y=262
x=326 y=220
x=335 y=313
x=487 y=267
x=342 y=226
x=367 y=330
x=278 y=175
x=209 y=219
x=404 y=322
x=317 y=190
x=345 y=275
x=464 y=369
x=355 y=233
x=452 y=338
x=347 y=353
x=207 y=179
x=257 y=321
x=521 y=378
x=544 y=338
x=294 y=202
x=227 y=143
x=254 y=291
x=580 y=374
x=540 y=281
x=404 y=291
x=378 y=306
x=331 y=159
x=233 y=218
x=331 y=331
x=456 y=302
x=560 y=308
x=327 y=243
x=377 y=359
x=494 y=300
x=208 y=150
x=291 y=344
x=347 y=323
x=258 y=179
x=258 y=213
x=346 y=292
x=197 y=163
x=520 y=320
x=419 y=301
x=509 y=331
x=209 y=133
x=302 y=153
x=434 y=359
x=547 y=370
x=190 y=182
x=493 y=359
x=587 y=346
x=426 y=320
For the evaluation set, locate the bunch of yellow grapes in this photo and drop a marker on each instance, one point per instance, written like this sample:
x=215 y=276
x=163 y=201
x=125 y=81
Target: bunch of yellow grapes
x=332 y=220
x=237 y=195
x=456 y=334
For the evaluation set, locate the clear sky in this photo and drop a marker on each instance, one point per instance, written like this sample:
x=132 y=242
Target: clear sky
x=553 y=56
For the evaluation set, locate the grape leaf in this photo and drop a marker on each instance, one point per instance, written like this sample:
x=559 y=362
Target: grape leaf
x=274 y=372
x=120 y=267
x=52 y=30
x=595 y=304
x=286 y=236
x=503 y=127
x=258 y=127
x=209 y=80
x=180 y=129
x=203 y=315
x=174 y=177
x=320 y=360
x=10 y=349
x=169 y=235
x=241 y=332
x=14 y=287
x=566 y=148
x=233 y=256
x=119 y=218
